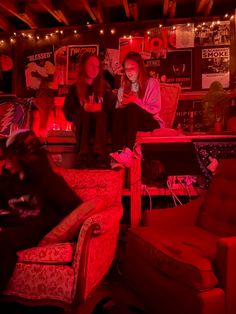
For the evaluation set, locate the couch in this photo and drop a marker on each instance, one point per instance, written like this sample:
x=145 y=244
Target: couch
x=72 y=259
x=182 y=259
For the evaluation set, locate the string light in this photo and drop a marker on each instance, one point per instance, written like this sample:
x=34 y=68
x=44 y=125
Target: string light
x=32 y=35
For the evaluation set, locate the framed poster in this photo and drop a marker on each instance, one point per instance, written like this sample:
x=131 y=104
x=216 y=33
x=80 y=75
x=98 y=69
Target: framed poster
x=74 y=53
x=130 y=44
x=39 y=66
x=177 y=68
x=213 y=34
x=215 y=66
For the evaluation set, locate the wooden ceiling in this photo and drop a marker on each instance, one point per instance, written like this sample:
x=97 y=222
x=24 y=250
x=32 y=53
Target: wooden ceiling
x=33 y=14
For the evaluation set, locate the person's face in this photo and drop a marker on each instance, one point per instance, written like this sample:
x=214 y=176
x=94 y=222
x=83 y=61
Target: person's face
x=92 y=67
x=131 y=69
x=12 y=165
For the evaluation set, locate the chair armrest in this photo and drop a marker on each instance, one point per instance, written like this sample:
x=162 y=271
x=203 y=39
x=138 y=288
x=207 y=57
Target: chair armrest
x=183 y=215
x=57 y=253
x=225 y=264
x=96 y=248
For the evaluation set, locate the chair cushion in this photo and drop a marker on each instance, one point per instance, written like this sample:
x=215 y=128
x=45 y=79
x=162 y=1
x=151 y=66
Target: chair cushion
x=218 y=214
x=69 y=227
x=91 y=183
x=176 y=254
x=60 y=253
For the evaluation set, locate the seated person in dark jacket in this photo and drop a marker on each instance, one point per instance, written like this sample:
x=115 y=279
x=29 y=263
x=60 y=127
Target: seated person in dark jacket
x=88 y=105
x=36 y=197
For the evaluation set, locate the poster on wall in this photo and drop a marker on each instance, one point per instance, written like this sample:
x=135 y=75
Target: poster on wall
x=153 y=67
x=111 y=61
x=159 y=40
x=215 y=66
x=39 y=67
x=130 y=44
x=60 y=74
x=213 y=34
x=177 y=68
x=73 y=58
x=185 y=35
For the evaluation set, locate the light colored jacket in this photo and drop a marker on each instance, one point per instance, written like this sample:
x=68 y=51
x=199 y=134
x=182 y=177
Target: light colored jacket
x=151 y=101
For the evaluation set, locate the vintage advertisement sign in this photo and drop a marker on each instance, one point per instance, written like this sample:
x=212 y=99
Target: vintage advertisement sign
x=215 y=66
x=73 y=58
x=39 y=67
x=130 y=44
x=213 y=34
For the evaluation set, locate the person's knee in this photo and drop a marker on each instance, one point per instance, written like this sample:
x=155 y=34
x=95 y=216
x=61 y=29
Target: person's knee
x=132 y=109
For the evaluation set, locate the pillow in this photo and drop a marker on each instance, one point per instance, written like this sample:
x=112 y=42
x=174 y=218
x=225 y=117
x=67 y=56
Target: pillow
x=69 y=227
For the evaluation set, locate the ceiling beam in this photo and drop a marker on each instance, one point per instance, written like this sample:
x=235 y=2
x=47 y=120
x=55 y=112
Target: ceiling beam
x=22 y=12
x=55 y=9
x=133 y=7
x=96 y=7
x=4 y=24
x=89 y=10
x=169 y=8
x=127 y=8
x=204 y=6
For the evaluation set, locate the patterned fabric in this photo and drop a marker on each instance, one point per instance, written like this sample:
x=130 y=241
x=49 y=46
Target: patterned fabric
x=60 y=253
x=69 y=227
x=42 y=282
x=35 y=278
x=214 y=149
x=94 y=183
x=169 y=100
x=59 y=282
x=101 y=248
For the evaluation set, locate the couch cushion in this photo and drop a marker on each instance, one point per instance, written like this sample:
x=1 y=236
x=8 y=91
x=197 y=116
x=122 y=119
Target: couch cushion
x=69 y=227
x=60 y=253
x=177 y=253
x=218 y=214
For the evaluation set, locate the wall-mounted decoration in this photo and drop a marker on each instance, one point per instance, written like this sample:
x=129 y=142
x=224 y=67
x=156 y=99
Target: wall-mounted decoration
x=130 y=44
x=153 y=67
x=74 y=54
x=158 y=40
x=60 y=74
x=215 y=66
x=212 y=34
x=185 y=35
x=39 y=67
x=177 y=68
x=111 y=61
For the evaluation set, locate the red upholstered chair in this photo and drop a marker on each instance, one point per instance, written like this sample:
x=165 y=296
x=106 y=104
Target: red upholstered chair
x=182 y=259
x=70 y=261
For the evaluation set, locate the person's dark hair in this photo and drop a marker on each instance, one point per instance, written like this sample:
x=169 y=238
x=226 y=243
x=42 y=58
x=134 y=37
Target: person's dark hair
x=98 y=83
x=26 y=149
x=142 y=77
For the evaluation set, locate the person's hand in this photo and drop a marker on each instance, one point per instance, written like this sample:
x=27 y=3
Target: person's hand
x=129 y=98
x=92 y=107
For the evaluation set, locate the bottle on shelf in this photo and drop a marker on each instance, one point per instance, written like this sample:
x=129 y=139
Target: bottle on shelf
x=191 y=122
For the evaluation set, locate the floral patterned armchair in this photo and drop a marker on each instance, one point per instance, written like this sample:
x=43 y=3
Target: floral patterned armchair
x=72 y=259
